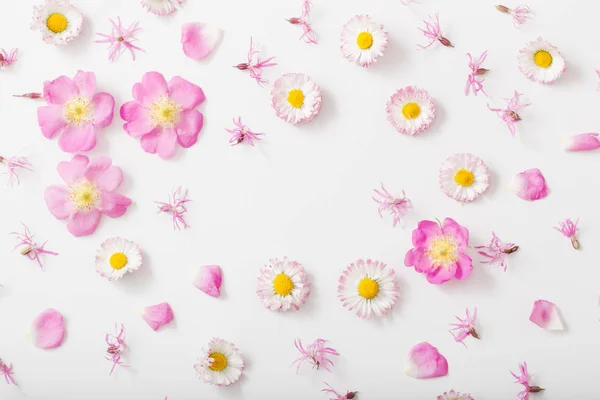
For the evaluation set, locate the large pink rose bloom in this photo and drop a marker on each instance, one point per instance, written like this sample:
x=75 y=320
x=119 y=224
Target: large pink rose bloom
x=440 y=251
x=75 y=111
x=162 y=114
x=89 y=193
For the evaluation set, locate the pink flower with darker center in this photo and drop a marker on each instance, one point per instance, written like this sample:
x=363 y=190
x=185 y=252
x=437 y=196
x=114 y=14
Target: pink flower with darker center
x=338 y=396
x=90 y=191
x=440 y=251
x=164 y=115
x=6 y=370
x=316 y=354
x=308 y=35
x=509 y=114
x=474 y=83
x=7 y=58
x=523 y=379
x=496 y=251
x=75 y=111
x=465 y=327
x=120 y=39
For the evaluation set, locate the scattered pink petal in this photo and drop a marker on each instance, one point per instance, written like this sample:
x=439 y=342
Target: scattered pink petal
x=7 y=371
x=425 y=361
x=120 y=40
x=31 y=249
x=474 y=82
x=255 y=65
x=241 y=132
x=465 y=327
x=49 y=329
x=545 y=315
x=432 y=32
x=158 y=315
x=12 y=164
x=582 y=142
x=6 y=58
x=509 y=114
x=316 y=354
x=199 y=40
x=308 y=35
x=209 y=280
x=523 y=379
x=116 y=345
x=530 y=185
x=519 y=14
x=176 y=207
x=496 y=251
x=337 y=396
x=569 y=229
x=397 y=206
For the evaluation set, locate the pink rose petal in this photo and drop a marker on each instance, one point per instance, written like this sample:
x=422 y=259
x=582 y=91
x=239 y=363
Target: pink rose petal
x=49 y=329
x=424 y=362
x=582 y=142
x=545 y=315
x=530 y=185
x=199 y=40
x=208 y=279
x=158 y=315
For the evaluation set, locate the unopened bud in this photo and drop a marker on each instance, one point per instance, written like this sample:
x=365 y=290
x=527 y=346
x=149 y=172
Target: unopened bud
x=503 y=9
x=293 y=20
x=481 y=71
x=445 y=42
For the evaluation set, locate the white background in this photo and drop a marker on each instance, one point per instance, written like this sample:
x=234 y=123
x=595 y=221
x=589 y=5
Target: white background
x=305 y=192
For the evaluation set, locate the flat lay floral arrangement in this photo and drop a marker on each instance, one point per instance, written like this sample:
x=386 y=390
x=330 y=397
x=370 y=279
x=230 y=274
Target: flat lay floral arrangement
x=299 y=200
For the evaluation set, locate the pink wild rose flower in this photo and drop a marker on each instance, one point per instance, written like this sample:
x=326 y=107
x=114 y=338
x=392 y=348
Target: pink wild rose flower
x=75 y=111
x=465 y=327
x=164 y=114
x=120 y=39
x=316 y=354
x=90 y=191
x=524 y=379
x=440 y=251
x=496 y=251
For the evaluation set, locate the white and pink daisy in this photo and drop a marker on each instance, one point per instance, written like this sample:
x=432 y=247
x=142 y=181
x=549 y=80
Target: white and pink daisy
x=363 y=40
x=161 y=7
x=452 y=395
x=282 y=285
x=117 y=257
x=296 y=98
x=221 y=363
x=410 y=110
x=58 y=21
x=541 y=62
x=369 y=287
x=464 y=177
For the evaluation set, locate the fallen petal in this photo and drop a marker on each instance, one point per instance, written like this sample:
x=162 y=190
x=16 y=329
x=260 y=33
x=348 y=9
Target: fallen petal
x=582 y=142
x=49 y=329
x=530 y=185
x=199 y=40
x=424 y=362
x=208 y=279
x=545 y=315
x=158 y=315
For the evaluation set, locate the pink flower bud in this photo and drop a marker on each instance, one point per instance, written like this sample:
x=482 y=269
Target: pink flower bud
x=582 y=142
x=208 y=279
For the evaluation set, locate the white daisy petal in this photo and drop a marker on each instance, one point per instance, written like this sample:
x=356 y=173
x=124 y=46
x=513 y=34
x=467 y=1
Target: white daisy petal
x=464 y=177
x=161 y=7
x=57 y=20
x=296 y=98
x=282 y=285
x=116 y=257
x=540 y=61
x=221 y=365
x=410 y=110
x=363 y=40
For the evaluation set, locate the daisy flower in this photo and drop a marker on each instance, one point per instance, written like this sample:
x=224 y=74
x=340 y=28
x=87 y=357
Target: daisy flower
x=369 y=287
x=410 y=110
x=363 y=40
x=161 y=7
x=541 y=62
x=296 y=98
x=6 y=58
x=452 y=395
x=120 y=40
x=116 y=257
x=464 y=177
x=316 y=354
x=221 y=363
x=524 y=379
x=57 y=20
x=282 y=285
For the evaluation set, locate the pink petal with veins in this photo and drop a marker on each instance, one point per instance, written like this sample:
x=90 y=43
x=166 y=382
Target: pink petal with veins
x=545 y=315
x=208 y=279
x=158 y=315
x=530 y=185
x=425 y=361
x=49 y=329
x=199 y=40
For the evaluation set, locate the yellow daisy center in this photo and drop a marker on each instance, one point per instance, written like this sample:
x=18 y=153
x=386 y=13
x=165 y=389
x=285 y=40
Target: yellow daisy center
x=368 y=288
x=219 y=363
x=364 y=40
x=78 y=111
x=542 y=58
x=464 y=177
x=165 y=112
x=56 y=23
x=283 y=285
x=84 y=195
x=296 y=98
x=118 y=260
x=411 y=110
x=442 y=251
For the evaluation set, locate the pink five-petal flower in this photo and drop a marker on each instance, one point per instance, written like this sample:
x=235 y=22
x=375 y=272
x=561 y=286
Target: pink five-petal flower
x=496 y=251
x=474 y=82
x=523 y=379
x=424 y=362
x=164 y=115
x=6 y=58
x=120 y=39
x=582 y=142
x=199 y=40
x=452 y=395
x=254 y=65
x=209 y=279
x=7 y=371
x=316 y=354
x=49 y=329
x=440 y=251
x=90 y=191
x=397 y=206
x=510 y=114
x=31 y=249
x=75 y=111
x=433 y=32
x=337 y=396
x=241 y=132
x=530 y=185
x=12 y=164
x=465 y=327
x=569 y=229
x=308 y=35
x=519 y=13
x=158 y=315
x=545 y=315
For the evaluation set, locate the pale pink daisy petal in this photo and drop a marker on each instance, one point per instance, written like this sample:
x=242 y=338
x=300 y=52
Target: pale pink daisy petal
x=453 y=395
x=49 y=329
x=116 y=346
x=208 y=279
x=519 y=14
x=433 y=32
x=199 y=40
x=120 y=40
x=397 y=206
x=6 y=370
x=424 y=362
x=283 y=285
x=509 y=114
x=582 y=142
x=496 y=251
x=308 y=35
x=545 y=315
x=7 y=58
x=338 y=396
x=474 y=82
x=315 y=354
x=530 y=185
x=411 y=110
x=569 y=229
x=524 y=379
x=465 y=327
x=158 y=315
x=161 y=7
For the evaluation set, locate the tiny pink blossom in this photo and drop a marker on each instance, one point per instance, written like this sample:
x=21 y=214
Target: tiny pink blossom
x=545 y=315
x=120 y=40
x=255 y=65
x=158 y=315
x=432 y=32
x=7 y=371
x=12 y=164
x=425 y=362
x=316 y=354
x=397 y=206
x=337 y=396
x=474 y=83
x=582 y=142
x=209 y=279
x=176 y=206
x=530 y=185
x=308 y=35
x=496 y=251
x=241 y=132
x=509 y=114
x=31 y=249
x=519 y=13
x=523 y=379
x=465 y=327
x=116 y=345
x=569 y=229
x=6 y=58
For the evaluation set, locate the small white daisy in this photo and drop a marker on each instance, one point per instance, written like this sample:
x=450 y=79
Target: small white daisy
x=369 y=287
x=363 y=40
x=221 y=364
x=296 y=98
x=116 y=257
x=452 y=395
x=161 y=7
x=541 y=62
x=464 y=176
x=58 y=21
x=282 y=284
x=411 y=110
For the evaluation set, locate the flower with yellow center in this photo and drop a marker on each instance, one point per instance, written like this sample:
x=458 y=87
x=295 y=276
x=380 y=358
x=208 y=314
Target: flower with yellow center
x=411 y=110
x=118 y=260
x=363 y=40
x=442 y=251
x=221 y=364
x=368 y=288
x=540 y=61
x=116 y=257
x=56 y=23
x=84 y=195
x=78 y=111
x=464 y=177
x=295 y=98
x=282 y=285
x=542 y=58
x=164 y=112
x=57 y=20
